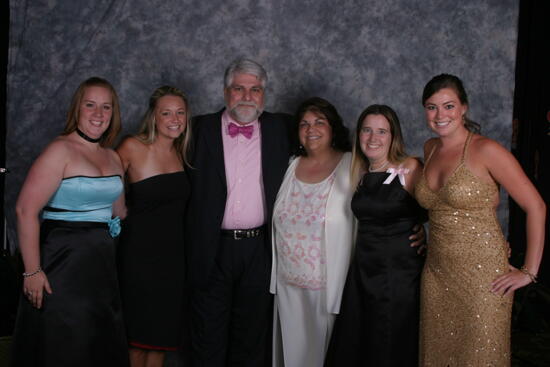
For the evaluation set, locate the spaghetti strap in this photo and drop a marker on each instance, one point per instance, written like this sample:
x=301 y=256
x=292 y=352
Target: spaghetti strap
x=429 y=156
x=463 y=158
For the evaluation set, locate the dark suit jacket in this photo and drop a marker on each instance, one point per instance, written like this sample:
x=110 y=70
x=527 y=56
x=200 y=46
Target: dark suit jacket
x=209 y=186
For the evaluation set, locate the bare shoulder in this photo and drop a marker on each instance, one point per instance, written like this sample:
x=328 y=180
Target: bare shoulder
x=130 y=148
x=486 y=148
x=130 y=144
x=415 y=167
x=52 y=162
x=60 y=148
x=412 y=164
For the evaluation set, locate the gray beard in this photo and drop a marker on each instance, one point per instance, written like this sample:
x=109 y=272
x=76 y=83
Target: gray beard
x=247 y=116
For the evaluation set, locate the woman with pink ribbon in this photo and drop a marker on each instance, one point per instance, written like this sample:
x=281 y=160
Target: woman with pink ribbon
x=378 y=321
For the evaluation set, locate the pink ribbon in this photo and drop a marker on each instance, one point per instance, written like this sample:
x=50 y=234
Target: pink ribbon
x=399 y=172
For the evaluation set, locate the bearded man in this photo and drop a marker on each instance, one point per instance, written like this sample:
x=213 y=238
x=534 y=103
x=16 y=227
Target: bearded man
x=239 y=158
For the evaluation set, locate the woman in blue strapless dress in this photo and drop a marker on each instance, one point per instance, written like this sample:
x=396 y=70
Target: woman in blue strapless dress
x=70 y=312
x=151 y=252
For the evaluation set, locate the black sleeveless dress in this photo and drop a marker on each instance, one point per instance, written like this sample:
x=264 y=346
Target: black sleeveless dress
x=151 y=261
x=378 y=320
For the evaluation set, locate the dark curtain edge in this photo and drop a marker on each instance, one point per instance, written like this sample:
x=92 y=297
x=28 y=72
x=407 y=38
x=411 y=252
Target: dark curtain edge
x=530 y=133
x=3 y=72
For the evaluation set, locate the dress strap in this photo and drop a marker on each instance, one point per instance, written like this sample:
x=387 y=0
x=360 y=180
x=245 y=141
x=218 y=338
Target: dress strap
x=430 y=155
x=463 y=158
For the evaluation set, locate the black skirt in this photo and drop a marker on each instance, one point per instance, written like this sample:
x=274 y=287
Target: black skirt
x=80 y=323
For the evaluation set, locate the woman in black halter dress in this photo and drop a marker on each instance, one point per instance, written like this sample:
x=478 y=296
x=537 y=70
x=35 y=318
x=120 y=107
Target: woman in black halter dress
x=378 y=321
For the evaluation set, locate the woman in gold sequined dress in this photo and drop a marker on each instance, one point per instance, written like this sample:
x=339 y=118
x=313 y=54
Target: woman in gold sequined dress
x=467 y=283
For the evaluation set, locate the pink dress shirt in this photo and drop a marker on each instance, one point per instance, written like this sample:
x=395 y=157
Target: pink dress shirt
x=245 y=207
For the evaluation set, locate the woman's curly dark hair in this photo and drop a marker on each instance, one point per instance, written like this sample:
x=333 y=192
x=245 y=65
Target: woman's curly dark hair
x=340 y=133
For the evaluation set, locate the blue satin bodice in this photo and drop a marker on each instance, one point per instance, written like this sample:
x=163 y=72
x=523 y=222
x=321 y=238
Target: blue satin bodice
x=82 y=198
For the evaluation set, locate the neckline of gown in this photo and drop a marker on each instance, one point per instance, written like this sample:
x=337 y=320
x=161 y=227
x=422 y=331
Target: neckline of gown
x=451 y=176
x=311 y=184
x=457 y=167
x=160 y=175
x=361 y=185
x=83 y=176
x=490 y=185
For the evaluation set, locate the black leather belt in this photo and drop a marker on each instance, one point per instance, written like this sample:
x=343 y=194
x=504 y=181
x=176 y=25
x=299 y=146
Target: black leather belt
x=239 y=234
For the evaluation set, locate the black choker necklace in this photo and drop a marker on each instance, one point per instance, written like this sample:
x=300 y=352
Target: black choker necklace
x=86 y=137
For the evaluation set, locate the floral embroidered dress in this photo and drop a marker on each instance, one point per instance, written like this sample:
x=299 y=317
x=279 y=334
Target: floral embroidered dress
x=299 y=225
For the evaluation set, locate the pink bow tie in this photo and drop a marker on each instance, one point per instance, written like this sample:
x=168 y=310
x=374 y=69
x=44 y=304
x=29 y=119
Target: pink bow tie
x=235 y=130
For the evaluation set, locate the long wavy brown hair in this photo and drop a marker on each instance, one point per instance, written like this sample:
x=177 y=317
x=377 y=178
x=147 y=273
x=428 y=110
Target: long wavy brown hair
x=108 y=138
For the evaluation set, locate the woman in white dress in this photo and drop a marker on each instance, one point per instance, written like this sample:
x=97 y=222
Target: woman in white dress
x=312 y=236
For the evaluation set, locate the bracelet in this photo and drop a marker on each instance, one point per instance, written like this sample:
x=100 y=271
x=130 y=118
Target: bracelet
x=524 y=270
x=26 y=275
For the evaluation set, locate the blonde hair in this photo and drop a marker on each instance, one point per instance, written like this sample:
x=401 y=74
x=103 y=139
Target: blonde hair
x=108 y=138
x=396 y=153
x=148 y=131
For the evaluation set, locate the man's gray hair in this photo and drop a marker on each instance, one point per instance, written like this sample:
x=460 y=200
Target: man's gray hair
x=244 y=66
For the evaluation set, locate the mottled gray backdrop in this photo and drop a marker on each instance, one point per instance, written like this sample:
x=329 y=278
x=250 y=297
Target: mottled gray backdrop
x=351 y=52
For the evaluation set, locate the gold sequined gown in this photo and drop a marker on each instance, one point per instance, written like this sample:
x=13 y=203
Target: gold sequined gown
x=461 y=322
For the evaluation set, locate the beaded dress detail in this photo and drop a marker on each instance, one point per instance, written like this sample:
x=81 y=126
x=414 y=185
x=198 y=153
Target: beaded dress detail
x=461 y=322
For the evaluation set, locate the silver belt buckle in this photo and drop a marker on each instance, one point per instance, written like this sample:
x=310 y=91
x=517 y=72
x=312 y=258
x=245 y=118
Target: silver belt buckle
x=235 y=231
